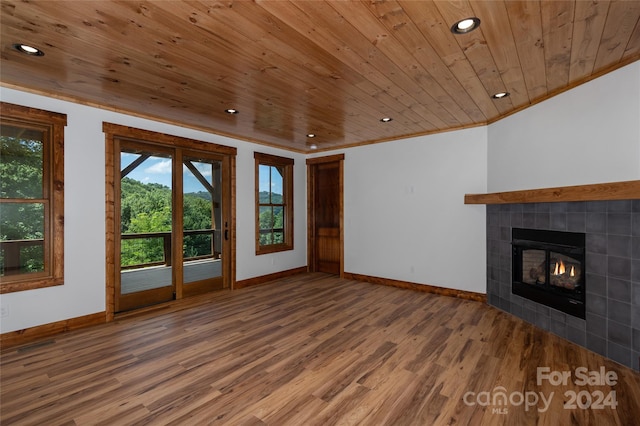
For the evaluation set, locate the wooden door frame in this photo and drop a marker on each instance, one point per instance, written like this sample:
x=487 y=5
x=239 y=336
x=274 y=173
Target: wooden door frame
x=311 y=237
x=116 y=131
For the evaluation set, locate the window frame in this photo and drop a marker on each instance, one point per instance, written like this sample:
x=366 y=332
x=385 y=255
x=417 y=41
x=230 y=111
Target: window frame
x=52 y=125
x=287 y=164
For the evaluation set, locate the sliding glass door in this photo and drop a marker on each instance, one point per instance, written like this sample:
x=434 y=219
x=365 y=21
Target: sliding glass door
x=202 y=230
x=146 y=212
x=172 y=218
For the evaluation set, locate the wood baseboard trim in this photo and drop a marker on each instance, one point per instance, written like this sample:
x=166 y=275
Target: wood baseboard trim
x=20 y=337
x=425 y=288
x=269 y=277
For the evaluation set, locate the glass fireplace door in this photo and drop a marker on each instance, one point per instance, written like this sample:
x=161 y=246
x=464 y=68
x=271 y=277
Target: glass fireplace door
x=548 y=267
x=534 y=266
x=564 y=271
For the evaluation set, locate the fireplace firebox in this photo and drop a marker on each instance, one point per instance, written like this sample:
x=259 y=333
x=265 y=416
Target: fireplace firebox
x=549 y=268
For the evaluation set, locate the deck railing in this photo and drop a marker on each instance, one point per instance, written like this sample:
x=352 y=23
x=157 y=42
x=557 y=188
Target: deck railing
x=166 y=246
x=13 y=255
x=12 y=251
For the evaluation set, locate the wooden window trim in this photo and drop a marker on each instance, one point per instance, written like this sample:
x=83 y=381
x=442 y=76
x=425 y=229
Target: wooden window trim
x=288 y=164
x=53 y=125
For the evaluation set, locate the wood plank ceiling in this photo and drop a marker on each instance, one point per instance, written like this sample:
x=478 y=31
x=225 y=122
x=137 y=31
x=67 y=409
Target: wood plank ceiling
x=331 y=68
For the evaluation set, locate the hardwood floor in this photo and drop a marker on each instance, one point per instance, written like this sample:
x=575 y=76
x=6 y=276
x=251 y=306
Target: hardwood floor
x=311 y=349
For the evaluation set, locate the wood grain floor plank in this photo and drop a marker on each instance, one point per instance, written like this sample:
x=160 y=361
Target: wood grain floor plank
x=311 y=349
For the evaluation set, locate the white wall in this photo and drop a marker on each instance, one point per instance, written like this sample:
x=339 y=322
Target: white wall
x=405 y=216
x=83 y=292
x=590 y=134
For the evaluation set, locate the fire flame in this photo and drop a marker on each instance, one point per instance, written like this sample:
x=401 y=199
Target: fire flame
x=560 y=269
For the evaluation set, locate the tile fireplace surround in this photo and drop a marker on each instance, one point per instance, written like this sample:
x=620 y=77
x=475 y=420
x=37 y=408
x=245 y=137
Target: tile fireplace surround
x=612 y=228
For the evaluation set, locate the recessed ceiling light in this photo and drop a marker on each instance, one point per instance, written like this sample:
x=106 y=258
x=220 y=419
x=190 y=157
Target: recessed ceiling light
x=465 y=25
x=386 y=119
x=311 y=135
x=231 y=111
x=28 y=50
x=500 y=95
x=313 y=146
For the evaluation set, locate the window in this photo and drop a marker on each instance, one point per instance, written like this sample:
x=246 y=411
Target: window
x=274 y=203
x=31 y=198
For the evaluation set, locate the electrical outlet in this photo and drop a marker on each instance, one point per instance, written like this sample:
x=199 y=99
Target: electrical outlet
x=4 y=312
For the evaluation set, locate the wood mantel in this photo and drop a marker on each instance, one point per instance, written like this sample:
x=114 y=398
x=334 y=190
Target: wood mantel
x=628 y=190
